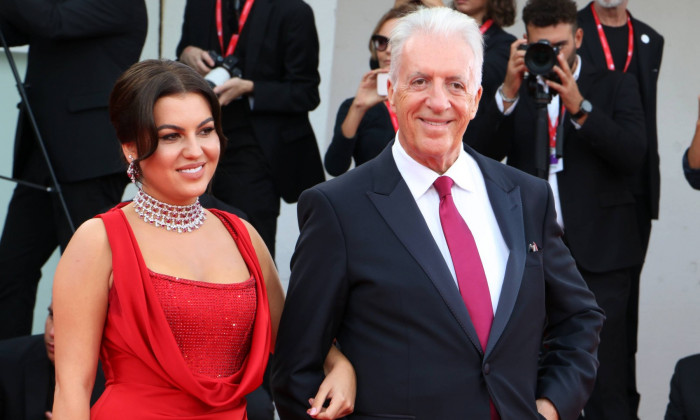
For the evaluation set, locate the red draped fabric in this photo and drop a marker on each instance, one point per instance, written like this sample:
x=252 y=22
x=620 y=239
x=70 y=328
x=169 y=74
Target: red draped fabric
x=147 y=376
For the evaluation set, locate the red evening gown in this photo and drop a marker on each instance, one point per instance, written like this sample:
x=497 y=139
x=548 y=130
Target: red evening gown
x=180 y=349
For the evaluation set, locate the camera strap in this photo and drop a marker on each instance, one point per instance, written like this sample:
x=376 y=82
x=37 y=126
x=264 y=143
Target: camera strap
x=392 y=115
x=220 y=26
x=485 y=26
x=604 y=41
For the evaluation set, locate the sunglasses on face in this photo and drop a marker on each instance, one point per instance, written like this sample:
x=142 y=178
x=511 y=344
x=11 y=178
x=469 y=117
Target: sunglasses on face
x=380 y=42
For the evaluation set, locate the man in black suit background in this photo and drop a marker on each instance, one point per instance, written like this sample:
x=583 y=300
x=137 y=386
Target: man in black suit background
x=683 y=403
x=375 y=268
x=627 y=44
x=77 y=49
x=595 y=140
x=27 y=376
x=271 y=150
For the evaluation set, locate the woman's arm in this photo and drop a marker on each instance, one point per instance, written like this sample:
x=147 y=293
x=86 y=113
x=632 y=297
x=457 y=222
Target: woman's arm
x=80 y=291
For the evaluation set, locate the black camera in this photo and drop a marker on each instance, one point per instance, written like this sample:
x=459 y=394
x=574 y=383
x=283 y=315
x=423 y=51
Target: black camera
x=540 y=59
x=224 y=69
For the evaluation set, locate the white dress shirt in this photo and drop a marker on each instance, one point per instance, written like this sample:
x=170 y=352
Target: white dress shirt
x=472 y=202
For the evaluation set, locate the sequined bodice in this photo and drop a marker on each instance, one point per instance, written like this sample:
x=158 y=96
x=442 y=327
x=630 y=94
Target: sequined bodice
x=212 y=323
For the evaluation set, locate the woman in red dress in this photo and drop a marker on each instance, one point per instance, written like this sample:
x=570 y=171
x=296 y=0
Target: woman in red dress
x=180 y=303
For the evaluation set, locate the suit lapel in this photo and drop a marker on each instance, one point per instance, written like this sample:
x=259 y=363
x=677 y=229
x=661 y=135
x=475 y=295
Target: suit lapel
x=507 y=207
x=394 y=202
x=643 y=58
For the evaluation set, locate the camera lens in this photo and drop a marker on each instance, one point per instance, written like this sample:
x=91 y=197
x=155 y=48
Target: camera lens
x=540 y=58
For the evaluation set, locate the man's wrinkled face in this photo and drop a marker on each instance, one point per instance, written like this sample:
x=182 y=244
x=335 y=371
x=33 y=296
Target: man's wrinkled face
x=434 y=98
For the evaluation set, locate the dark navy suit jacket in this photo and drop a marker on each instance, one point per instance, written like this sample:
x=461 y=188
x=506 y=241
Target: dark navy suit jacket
x=367 y=272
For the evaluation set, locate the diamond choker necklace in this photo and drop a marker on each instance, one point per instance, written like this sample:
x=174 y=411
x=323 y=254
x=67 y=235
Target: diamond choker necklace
x=175 y=218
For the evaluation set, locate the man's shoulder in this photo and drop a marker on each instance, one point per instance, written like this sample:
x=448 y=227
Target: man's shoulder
x=15 y=349
x=641 y=29
x=689 y=364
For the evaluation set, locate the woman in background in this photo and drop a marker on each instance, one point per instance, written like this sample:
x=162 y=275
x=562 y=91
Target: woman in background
x=492 y=16
x=365 y=123
x=181 y=303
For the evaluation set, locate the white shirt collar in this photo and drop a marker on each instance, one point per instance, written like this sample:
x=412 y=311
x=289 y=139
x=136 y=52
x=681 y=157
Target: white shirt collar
x=420 y=178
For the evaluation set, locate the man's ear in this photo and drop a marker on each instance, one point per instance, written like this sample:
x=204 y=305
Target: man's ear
x=390 y=92
x=578 y=38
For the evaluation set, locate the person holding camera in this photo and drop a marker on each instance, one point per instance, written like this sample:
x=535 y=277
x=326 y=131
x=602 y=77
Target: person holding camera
x=270 y=50
x=557 y=117
x=365 y=124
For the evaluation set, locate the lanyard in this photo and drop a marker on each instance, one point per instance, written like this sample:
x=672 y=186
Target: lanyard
x=485 y=26
x=220 y=26
x=392 y=114
x=553 y=126
x=606 y=46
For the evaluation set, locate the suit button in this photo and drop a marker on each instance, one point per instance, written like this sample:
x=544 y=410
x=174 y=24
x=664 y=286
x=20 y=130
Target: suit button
x=487 y=369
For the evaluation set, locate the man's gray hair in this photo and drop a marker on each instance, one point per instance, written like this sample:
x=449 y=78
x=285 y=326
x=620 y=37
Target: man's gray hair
x=441 y=21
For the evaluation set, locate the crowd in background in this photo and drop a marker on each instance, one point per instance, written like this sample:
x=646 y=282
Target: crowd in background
x=594 y=139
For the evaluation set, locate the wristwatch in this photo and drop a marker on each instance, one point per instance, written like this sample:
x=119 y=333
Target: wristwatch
x=584 y=109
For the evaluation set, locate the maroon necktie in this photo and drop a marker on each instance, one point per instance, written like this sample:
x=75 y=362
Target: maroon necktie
x=470 y=272
x=465 y=256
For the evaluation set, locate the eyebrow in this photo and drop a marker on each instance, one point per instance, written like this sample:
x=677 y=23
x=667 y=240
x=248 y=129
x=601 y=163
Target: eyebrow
x=176 y=127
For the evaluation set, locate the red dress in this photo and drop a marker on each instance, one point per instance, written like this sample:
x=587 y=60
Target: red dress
x=163 y=362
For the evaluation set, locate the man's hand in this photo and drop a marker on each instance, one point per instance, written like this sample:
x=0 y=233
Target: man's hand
x=568 y=88
x=198 y=59
x=515 y=71
x=232 y=89
x=547 y=409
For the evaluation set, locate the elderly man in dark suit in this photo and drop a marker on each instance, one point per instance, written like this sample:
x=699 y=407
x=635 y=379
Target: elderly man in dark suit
x=271 y=150
x=27 y=376
x=624 y=43
x=440 y=273
x=594 y=140
x=77 y=49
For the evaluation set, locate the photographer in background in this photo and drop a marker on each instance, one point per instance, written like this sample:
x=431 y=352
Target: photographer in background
x=271 y=49
x=691 y=158
x=594 y=139
x=77 y=49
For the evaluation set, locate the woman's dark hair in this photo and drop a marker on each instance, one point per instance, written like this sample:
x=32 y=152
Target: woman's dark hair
x=135 y=94
x=395 y=13
x=543 y=13
x=501 y=11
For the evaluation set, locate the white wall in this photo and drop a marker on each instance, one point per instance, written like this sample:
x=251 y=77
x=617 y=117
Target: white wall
x=669 y=314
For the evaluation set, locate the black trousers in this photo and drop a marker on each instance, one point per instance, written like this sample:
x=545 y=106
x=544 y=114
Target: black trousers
x=644 y=227
x=609 y=398
x=35 y=225
x=243 y=179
